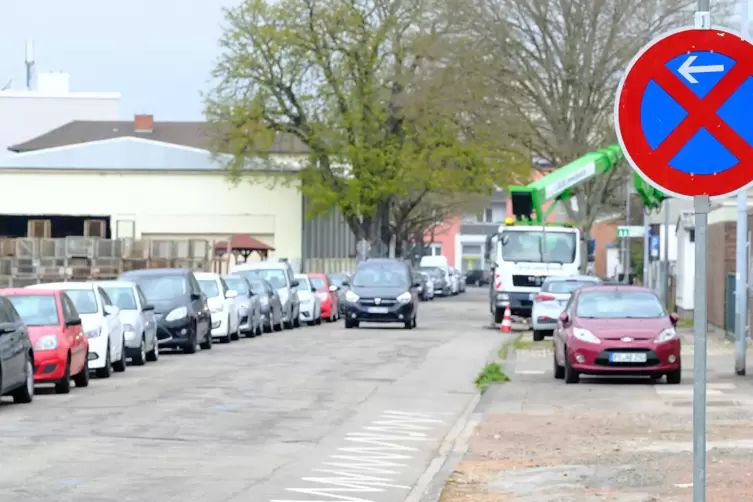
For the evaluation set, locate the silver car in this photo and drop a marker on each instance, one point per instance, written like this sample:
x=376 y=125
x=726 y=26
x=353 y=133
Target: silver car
x=271 y=308
x=280 y=275
x=551 y=301
x=247 y=305
x=137 y=316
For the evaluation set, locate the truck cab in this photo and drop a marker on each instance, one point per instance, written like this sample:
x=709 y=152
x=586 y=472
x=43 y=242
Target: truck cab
x=521 y=257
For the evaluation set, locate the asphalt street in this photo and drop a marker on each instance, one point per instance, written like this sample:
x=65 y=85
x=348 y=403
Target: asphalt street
x=314 y=414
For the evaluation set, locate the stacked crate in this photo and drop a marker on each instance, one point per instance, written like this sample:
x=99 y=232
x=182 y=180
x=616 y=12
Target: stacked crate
x=108 y=258
x=193 y=254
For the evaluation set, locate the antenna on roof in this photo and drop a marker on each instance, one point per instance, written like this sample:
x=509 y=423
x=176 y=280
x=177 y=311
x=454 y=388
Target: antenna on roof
x=29 y=62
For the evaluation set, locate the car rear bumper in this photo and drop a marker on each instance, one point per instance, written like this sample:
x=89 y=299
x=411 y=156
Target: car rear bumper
x=50 y=364
x=394 y=313
x=521 y=304
x=660 y=357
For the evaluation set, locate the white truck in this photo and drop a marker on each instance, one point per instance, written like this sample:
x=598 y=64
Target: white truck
x=521 y=257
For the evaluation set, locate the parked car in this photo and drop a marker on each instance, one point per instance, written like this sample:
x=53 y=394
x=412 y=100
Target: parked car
x=441 y=284
x=311 y=305
x=382 y=291
x=339 y=280
x=57 y=339
x=271 y=306
x=422 y=288
x=477 y=277
x=247 y=305
x=429 y=283
x=328 y=296
x=221 y=302
x=137 y=316
x=16 y=355
x=280 y=275
x=461 y=281
x=180 y=308
x=454 y=279
x=101 y=323
x=551 y=301
x=625 y=330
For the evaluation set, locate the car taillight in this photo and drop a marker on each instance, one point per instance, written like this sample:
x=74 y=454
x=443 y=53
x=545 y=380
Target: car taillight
x=544 y=298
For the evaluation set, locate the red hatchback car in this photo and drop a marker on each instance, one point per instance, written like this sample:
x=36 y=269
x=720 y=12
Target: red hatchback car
x=622 y=330
x=327 y=293
x=60 y=347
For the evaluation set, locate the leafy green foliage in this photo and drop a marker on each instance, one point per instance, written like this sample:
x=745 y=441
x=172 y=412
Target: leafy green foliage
x=492 y=373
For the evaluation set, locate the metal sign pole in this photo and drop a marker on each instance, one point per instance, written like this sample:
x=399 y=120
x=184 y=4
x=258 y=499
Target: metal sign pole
x=626 y=267
x=646 y=238
x=665 y=256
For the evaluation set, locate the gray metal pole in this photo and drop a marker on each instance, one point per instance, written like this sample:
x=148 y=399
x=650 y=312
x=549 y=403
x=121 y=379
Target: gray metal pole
x=741 y=261
x=701 y=204
x=626 y=267
x=665 y=256
x=646 y=239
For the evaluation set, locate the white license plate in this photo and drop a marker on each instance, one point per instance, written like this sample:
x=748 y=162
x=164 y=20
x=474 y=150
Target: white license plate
x=377 y=310
x=628 y=357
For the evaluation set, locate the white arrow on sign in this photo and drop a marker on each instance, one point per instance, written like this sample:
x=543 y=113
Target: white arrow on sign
x=687 y=70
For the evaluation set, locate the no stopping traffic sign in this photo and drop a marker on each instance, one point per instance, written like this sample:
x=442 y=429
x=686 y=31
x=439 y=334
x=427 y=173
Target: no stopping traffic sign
x=684 y=113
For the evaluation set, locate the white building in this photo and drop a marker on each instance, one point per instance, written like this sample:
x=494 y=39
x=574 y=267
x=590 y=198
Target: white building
x=145 y=179
x=26 y=114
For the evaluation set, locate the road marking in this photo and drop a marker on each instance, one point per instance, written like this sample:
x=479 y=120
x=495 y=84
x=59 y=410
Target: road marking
x=373 y=465
x=530 y=372
x=684 y=392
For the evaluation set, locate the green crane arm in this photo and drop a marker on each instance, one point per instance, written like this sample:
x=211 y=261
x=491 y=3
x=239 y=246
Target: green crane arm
x=528 y=201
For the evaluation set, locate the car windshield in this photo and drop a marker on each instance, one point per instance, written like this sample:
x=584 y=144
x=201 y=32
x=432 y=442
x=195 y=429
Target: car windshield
x=122 y=297
x=338 y=279
x=563 y=286
x=303 y=283
x=258 y=287
x=209 y=287
x=36 y=310
x=383 y=275
x=276 y=276
x=319 y=283
x=161 y=288
x=84 y=300
x=238 y=284
x=539 y=247
x=619 y=305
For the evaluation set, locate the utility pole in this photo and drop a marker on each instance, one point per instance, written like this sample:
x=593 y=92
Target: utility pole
x=665 y=255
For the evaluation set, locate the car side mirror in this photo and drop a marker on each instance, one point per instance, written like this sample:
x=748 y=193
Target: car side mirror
x=674 y=319
x=195 y=296
x=346 y=283
x=231 y=293
x=147 y=307
x=294 y=284
x=333 y=288
x=564 y=317
x=76 y=321
x=416 y=284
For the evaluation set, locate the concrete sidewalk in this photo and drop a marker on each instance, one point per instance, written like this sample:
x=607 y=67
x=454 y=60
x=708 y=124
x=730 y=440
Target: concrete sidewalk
x=540 y=440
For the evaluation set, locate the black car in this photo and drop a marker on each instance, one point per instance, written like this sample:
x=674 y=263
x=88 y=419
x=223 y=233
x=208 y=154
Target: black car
x=477 y=277
x=16 y=355
x=180 y=308
x=382 y=290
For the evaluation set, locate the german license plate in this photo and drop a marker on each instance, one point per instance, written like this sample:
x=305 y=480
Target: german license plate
x=377 y=310
x=627 y=357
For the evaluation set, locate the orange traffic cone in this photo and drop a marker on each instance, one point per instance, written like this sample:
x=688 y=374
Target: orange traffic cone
x=506 y=326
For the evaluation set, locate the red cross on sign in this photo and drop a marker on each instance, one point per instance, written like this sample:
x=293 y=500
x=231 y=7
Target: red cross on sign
x=684 y=113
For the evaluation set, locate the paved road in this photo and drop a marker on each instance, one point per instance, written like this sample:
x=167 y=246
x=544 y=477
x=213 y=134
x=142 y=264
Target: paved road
x=331 y=412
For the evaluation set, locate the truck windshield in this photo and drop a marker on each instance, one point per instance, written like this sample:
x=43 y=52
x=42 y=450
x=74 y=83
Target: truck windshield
x=540 y=247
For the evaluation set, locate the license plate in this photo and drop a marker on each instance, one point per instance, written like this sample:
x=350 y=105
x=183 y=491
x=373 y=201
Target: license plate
x=627 y=357
x=377 y=310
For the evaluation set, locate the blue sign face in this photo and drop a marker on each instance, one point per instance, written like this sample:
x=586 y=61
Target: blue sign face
x=653 y=242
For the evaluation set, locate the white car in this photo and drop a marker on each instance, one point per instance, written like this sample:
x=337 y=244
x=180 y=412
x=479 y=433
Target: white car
x=221 y=302
x=454 y=280
x=137 y=317
x=429 y=281
x=100 y=321
x=550 y=302
x=310 y=304
x=248 y=305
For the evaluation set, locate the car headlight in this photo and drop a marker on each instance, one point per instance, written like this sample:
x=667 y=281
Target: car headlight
x=405 y=297
x=128 y=327
x=177 y=314
x=352 y=297
x=585 y=336
x=94 y=333
x=667 y=335
x=47 y=342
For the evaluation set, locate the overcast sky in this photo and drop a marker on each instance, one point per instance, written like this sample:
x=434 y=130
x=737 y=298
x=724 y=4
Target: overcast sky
x=156 y=53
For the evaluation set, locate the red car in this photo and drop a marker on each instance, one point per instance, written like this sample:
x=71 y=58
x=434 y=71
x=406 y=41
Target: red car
x=612 y=329
x=60 y=347
x=327 y=293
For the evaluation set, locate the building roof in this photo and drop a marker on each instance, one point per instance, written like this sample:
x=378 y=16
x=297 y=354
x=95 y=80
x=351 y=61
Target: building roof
x=242 y=242
x=191 y=134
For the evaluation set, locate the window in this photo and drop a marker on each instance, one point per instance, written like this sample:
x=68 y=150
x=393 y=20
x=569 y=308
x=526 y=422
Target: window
x=84 y=300
x=303 y=282
x=539 y=247
x=472 y=250
x=165 y=287
x=382 y=275
x=319 y=283
x=488 y=215
x=435 y=249
x=619 y=304
x=69 y=310
x=36 y=310
x=209 y=287
x=123 y=298
x=238 y=284
x=691 y=235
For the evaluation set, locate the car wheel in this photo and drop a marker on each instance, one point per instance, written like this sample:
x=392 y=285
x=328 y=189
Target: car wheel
x=140 y=358
x=82 y=379
x=318 y=320
x=415 y=321
x=289 y=324
x=559 y=371
x=350 y=324
x=571 y=376
x=120 y=365
x=106 y=371
x=408 y=324
x=191 y=347
x=297 y=322
x=153 y=355
x=207 y=343
x=675 y=377
x=538 y=335
x=237 y=334
x=25 y=393
x=63 y=386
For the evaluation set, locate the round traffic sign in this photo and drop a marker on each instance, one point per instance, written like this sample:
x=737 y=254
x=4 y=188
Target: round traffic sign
x=682 y=113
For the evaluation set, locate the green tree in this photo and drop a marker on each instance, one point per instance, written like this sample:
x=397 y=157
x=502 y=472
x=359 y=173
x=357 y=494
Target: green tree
x=372 y=88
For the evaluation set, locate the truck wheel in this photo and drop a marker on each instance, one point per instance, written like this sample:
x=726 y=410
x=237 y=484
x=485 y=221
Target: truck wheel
x=498 y=315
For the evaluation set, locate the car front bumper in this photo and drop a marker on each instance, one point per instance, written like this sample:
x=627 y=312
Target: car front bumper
x=50 y=364
x=98 y=351
x=307 y=311
x=220 y=324
x=132 y=339
x=594 y=359
x=400 y=312
x=172 y=334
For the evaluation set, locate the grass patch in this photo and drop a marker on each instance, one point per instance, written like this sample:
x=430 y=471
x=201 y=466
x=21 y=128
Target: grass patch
x=521 y=344
x=685 y=323
x=491 y=373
